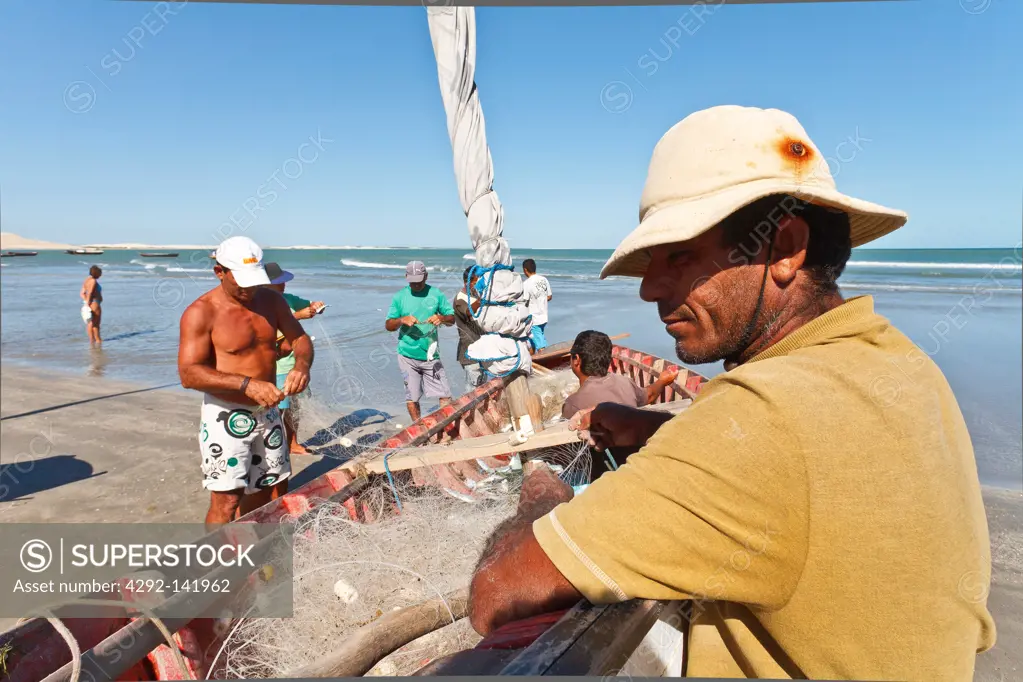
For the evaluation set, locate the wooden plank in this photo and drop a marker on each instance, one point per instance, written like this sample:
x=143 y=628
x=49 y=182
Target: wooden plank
x=485 y=446
x=471 y=448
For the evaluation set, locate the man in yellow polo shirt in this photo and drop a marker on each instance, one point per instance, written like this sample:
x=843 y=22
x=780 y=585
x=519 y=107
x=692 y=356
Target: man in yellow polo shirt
x=819 y=500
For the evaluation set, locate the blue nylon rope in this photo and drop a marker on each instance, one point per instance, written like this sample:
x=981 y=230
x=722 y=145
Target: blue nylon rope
x=611 y=460
x=484 y=297
x=390 y=479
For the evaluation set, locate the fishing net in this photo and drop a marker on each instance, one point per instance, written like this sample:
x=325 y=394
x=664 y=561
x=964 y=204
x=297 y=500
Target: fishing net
x=348 y=574
x=424 y=533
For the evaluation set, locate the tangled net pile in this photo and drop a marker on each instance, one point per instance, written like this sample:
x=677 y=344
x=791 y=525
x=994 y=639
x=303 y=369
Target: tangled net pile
x=348 y=574
x=553 y=389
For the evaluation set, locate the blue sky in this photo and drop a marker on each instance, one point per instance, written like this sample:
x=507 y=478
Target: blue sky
x=193 y=118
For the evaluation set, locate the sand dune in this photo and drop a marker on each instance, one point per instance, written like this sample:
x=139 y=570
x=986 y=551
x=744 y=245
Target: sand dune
x=14 y=242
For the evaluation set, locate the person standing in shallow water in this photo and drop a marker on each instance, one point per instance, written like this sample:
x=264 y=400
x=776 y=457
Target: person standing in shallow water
x=92 y=297
x=416 y=313
x=538 y=294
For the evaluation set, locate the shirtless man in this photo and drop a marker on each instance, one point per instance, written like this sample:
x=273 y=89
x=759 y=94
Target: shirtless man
x=228 y=350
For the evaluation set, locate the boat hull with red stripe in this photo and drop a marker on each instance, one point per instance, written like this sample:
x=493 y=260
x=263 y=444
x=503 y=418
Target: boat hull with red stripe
x=37 y=650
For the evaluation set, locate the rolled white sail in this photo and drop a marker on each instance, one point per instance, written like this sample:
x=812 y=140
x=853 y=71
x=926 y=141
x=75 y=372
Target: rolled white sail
x=504 y=314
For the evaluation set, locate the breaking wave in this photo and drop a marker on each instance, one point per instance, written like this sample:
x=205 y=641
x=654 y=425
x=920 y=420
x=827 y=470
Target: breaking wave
x=917 y=265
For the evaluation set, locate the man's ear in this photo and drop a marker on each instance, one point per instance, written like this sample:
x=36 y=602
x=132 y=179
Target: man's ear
x=789 y=253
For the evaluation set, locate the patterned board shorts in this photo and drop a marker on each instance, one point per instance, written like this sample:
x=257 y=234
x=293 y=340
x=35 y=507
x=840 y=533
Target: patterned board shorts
x=242 y=446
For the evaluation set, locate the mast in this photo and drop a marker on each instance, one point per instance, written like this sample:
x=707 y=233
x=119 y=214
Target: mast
x=504 y=315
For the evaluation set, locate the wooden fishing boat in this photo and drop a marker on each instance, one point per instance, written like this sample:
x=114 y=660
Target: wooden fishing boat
x=151 y=254
x=85 y=252
x=427 y=453
x=14 y=254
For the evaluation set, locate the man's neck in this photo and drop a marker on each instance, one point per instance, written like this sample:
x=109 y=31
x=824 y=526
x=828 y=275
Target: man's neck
x=784 y=322
x=231 y=300
x=583 y=378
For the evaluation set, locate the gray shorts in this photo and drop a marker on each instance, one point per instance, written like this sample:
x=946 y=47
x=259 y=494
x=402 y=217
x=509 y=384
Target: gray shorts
x=423 y=373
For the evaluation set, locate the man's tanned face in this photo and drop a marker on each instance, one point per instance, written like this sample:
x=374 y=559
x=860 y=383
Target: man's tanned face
x=418 y=286
x=240 y=294
x=704 y=297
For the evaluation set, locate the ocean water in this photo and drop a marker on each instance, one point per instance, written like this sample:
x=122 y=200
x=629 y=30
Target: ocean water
x=964 y=307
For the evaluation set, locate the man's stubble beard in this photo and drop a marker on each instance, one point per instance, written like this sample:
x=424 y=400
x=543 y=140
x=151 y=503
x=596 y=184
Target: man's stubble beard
x=723 y=352
x=737 y=338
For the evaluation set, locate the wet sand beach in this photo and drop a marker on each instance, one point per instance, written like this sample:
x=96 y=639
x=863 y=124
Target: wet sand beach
x=80 y=449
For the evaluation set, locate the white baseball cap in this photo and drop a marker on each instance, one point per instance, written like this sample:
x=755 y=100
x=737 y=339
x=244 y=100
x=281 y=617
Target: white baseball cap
x=718 y=160
x=244 y=259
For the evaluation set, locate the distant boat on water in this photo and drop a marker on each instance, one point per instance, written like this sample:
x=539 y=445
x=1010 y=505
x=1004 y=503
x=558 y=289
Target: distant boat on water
x=85 y=252
x=153 y=254
x=12 y=254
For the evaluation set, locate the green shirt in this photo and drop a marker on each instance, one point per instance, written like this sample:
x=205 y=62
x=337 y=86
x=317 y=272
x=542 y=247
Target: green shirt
x=287 y=363
x=419 y=342
x=296 y=302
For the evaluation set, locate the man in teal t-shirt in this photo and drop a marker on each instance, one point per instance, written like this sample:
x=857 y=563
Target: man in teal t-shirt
x=416 y=313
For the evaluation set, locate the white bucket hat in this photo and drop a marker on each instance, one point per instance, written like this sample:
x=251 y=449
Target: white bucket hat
x=718 y=160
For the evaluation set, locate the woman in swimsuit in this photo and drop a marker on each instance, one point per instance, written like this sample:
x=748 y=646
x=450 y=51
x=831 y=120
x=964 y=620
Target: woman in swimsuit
x=92 y=297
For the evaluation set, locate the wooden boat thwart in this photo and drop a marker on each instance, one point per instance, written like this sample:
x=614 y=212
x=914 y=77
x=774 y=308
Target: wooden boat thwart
x=432 y=451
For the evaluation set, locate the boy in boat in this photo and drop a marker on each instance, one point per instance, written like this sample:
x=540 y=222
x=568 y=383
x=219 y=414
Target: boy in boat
x=303 y=310
x=416 y=313
x=819 y=500
x=591 y=360
x=228 y=350
x=537 y=290
x=469 y=331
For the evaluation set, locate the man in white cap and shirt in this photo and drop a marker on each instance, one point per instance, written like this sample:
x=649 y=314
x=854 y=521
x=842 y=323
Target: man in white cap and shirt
x=228 y=350
x=818 y=502
x=416 y=313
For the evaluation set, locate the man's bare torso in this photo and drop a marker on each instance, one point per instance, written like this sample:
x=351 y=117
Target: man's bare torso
x=244 y=338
